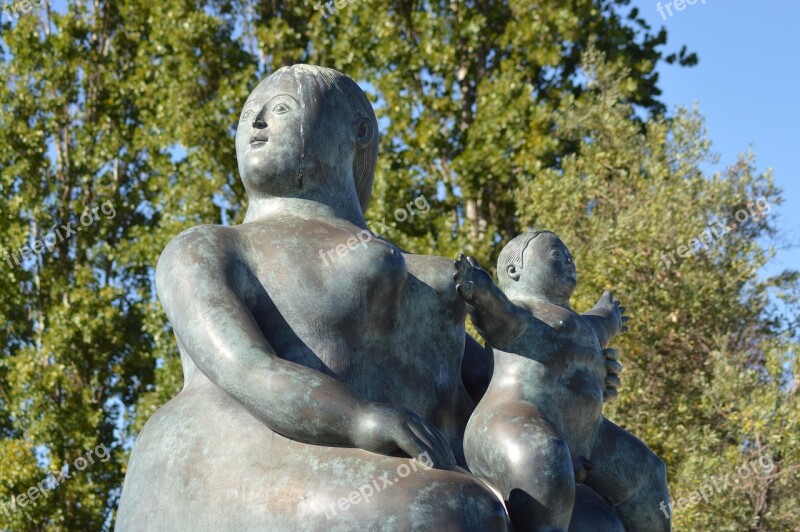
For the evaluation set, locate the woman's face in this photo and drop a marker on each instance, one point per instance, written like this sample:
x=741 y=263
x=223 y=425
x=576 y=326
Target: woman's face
x=270 y=138
x=293 y=135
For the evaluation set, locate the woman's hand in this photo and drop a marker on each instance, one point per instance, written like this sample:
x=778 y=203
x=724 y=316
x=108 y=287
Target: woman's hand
x=385 y=429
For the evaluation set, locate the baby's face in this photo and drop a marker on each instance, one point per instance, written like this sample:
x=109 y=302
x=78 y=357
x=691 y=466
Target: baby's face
x=548 y=268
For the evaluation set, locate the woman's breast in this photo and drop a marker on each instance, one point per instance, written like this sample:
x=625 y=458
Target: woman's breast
x=392 y=331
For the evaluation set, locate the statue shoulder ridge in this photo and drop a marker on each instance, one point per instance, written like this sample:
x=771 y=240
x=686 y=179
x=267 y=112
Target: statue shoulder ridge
x=201 y=245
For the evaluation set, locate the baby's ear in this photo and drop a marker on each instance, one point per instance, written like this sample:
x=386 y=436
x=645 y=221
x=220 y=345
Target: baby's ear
x=513 y=272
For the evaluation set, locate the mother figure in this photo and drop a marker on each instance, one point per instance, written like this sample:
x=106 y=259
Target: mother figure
x=307 y=380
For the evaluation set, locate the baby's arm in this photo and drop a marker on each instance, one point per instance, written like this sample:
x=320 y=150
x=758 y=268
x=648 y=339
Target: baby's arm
x=497 y=319
x=606 y=318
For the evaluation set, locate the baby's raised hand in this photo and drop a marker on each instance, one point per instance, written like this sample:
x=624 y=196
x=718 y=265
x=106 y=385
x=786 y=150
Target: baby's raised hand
x=472 y=281
x=616 y=316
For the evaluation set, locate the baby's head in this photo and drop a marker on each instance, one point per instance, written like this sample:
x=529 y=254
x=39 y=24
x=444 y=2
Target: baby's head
x=537 y=264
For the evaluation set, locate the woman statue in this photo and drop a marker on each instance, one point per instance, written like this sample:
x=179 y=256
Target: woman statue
x=308 y=382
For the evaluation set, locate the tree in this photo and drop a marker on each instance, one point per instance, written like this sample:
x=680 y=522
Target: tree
x=98 y=103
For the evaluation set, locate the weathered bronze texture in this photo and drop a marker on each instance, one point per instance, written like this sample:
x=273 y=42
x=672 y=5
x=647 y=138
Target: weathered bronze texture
x=310 y=379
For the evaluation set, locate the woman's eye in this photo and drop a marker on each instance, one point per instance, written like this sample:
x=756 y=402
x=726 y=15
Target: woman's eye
x=247 y=114
x=555 y=254
x=280 y=109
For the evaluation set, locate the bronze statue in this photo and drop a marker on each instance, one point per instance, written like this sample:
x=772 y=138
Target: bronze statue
x=539 y=429
x=309 y=384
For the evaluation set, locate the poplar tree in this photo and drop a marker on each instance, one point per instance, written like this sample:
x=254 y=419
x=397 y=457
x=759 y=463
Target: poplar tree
x=115 y=125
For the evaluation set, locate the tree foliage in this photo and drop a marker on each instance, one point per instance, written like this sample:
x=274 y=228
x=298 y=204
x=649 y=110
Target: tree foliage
x=95 y=102
x=504 y=114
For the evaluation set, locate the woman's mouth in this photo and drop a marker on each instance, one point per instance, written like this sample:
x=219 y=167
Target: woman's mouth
x=259 y=138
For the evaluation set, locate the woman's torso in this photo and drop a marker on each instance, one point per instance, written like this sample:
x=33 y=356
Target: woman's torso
x=390 y=325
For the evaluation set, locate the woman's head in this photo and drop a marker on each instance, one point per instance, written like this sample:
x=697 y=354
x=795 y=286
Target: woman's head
x=302 y=128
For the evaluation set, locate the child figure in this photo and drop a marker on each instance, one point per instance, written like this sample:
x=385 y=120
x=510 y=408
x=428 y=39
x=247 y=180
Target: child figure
x=539 y=428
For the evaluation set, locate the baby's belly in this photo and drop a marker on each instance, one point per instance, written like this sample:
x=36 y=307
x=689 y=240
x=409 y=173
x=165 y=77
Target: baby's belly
x=578 y=414
x=572 y=401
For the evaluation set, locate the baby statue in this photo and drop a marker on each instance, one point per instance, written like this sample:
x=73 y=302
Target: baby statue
x=539 y=429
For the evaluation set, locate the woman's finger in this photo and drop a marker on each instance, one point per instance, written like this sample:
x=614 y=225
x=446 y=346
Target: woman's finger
x=414 y=447
x=445 y=445
x=438 y=441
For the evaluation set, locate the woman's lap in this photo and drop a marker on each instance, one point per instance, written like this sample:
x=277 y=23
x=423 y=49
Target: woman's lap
x=204 y=462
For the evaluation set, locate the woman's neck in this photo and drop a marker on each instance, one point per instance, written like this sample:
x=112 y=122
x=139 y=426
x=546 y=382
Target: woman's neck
x=260 y=208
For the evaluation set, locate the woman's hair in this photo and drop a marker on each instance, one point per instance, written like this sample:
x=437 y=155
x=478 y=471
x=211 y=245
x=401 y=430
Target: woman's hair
x=511 y=255
x=330 y=88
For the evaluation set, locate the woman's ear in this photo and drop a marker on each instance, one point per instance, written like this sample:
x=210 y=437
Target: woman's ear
x=364 y=132
x=513 y=272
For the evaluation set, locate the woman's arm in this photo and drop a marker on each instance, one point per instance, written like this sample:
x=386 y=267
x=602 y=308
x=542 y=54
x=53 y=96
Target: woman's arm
x=197 y=288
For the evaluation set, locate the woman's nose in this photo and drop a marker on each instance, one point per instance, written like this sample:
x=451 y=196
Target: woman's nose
x=260 y=122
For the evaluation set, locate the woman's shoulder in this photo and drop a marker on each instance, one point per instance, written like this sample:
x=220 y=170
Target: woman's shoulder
x=203 y=241
x=198 y=250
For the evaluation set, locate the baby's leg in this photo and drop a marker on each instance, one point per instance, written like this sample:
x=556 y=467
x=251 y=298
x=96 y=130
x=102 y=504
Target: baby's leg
x=516 y=449
x=631 y=477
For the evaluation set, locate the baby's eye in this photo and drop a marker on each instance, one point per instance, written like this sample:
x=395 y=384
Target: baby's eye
x=247 y=114
x=554 y=254
x=280 y=109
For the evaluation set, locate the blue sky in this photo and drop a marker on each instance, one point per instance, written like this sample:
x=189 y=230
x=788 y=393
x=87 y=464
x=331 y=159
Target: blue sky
x=746 y=86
